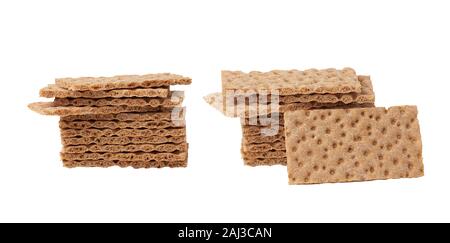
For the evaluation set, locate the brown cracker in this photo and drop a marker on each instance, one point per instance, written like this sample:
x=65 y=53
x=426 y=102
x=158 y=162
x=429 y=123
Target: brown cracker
x=54 y=91
x=124 y=164
x=353 y=145
x=120 y=124
x=265 y=154
x=123 y=140
x=257 y=130
x=49 y=108
x=264 y=161
x=169 y=148
x=263 y=147
x=177 y=113
x=121 y=82
x=139 y=156
x=175 y=99
x=366 y=96
x=257 y=139
x=93 y=132
x=292 y=82
x=254 y=110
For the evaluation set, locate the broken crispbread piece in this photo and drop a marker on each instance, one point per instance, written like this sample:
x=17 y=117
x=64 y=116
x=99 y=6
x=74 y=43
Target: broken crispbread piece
x=344 y=145
x=122 y=82
x=292 y=82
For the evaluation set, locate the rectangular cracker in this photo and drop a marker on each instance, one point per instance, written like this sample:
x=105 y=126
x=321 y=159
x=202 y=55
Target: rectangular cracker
x=264 y=161
x=166 y=148
x=292 y=82
x=124 y=164
x=254 y=110
x=49 y=108
x=122 y=82
x=138 y=156
x=257 y=139
x=177 y=113
x=264 y=154
x=94 y=132
x=365 y=96
x=175 y=99
x=54 y=91
x=344 y=145
x=121 y=124
x=257 y=131
x=263 y=147
x=123 y=140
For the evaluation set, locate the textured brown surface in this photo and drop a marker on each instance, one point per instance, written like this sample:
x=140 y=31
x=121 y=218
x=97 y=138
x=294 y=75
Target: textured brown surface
x=265 y=154
x=120 y=124
x=121 y=82
x=139 y=156
x=54 y=91
x=126 y=148
x=245 y=111
x=292 y=82
x=326 y=146
x=256 y=130
x=124 y=164
x=257 y=139
x=177 y=113
x=49 y=108
x=93 y=132
x=264 y=161
x=175 y=99
x=122 y=140
x=366 y=96
x=264 y=147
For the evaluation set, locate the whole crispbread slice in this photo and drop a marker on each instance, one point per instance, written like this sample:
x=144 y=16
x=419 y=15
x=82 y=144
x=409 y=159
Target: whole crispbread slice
x=124 y=164
x=292 y=82
x=264 y=161
x=347 y=145
x=139 y=156
x=49 y=108
x=177 y=113
x=93 y=132
x=257 y=139
x=54 y=91
x=255 y=110
x=121 y=124
x=365 y=96
x=121 y=82
x=264 y=154
x=257 y=131
x=122 y=140
x=175 y=99
x=264 y=147
x=167 y=148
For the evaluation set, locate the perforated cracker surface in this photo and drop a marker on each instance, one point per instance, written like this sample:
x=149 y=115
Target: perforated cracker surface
x=54 y=91
x=293 y=82
x=353 y=145
x=121 y=82
x=122 y=140
x=94 y=132
x=49 y=108
x=175 y=99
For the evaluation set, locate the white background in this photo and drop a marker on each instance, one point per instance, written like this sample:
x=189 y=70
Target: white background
x=403 y=45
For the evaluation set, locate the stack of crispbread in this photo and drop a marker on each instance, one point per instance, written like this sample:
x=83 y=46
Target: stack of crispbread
x=129 y=120
x=262 y=98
